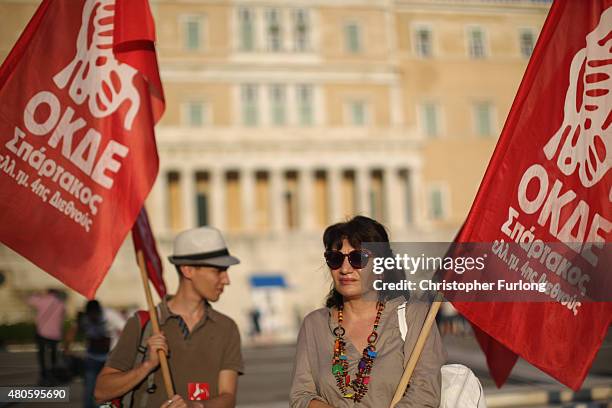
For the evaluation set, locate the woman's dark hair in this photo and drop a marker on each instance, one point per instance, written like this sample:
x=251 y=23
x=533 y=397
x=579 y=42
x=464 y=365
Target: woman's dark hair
x=357 y=231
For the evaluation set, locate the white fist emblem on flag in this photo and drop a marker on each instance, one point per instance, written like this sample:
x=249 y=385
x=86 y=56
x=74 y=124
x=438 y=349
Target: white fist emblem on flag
x=584 y=137
x=96 y=74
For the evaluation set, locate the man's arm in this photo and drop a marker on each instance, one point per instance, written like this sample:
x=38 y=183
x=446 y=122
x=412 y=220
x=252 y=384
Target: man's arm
x=113 y=383
x=228 y=383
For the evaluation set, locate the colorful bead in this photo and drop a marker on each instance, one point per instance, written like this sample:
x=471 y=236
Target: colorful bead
x=343 y=380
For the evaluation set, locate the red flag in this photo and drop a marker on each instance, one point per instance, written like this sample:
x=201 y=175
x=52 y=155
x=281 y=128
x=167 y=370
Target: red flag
x=144 y=241
x=548 y=185
x=80 y=95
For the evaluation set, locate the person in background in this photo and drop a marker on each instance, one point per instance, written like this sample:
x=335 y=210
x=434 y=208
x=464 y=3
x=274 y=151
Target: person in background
x=98 y=327
x=116 y=322
x=255 y=316
x=50 y=313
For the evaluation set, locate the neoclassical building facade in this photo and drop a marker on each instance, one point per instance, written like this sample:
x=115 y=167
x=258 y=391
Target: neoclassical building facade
x=284 y=116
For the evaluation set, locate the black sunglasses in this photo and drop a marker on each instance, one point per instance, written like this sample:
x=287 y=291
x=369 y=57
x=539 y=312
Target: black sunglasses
x=358 y=258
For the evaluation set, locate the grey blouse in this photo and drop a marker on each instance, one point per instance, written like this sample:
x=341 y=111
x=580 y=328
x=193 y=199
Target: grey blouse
x=313 y=379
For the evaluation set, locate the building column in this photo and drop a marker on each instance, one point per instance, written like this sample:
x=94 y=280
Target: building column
x=393 y=198
x=276 y=200
x=217 y=192
x=306 y=180
x=188 y=193
x=419 y=198
x=334 y=195
x=157 y=203
x=247 y=180
x=408 y=198
x=362 y=184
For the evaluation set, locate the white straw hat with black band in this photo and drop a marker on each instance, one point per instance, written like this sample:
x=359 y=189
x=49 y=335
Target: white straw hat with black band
x=201 y=246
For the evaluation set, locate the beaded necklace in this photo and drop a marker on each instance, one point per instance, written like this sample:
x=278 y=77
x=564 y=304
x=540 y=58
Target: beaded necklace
x=359 y=385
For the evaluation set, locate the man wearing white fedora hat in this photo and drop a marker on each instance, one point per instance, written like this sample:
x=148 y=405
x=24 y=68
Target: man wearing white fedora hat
x=203 y=345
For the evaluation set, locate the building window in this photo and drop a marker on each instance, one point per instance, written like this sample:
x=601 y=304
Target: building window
x=274 y=30
x=423 y=42
x=483 y=118
x=430 y=120
x=438 y=202
x=305 y=105
x=175 y=219
x=352 y=38
x=203 y=198
x=247 y=31
x=527 y=39
x=406 y=187
x=250 y=113
x=278 y=103
x=194 y=114
x=301 y=30
x=476 y=42
x=357 y=114
x=193 y=33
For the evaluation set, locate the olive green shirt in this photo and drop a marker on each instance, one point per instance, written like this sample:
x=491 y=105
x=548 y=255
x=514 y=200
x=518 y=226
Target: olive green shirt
x=313 y=379
x=213 y=345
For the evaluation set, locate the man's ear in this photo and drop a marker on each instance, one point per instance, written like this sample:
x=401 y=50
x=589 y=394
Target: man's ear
x=187 y=271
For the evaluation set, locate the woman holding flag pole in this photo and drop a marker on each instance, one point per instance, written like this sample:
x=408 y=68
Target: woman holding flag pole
x=351 y=351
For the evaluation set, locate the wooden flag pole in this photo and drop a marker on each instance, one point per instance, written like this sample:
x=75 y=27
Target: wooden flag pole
x=163 y=362
x=418 y=348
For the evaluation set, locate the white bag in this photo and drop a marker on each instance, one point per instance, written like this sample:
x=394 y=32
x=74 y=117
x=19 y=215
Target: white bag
x=460 y=387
